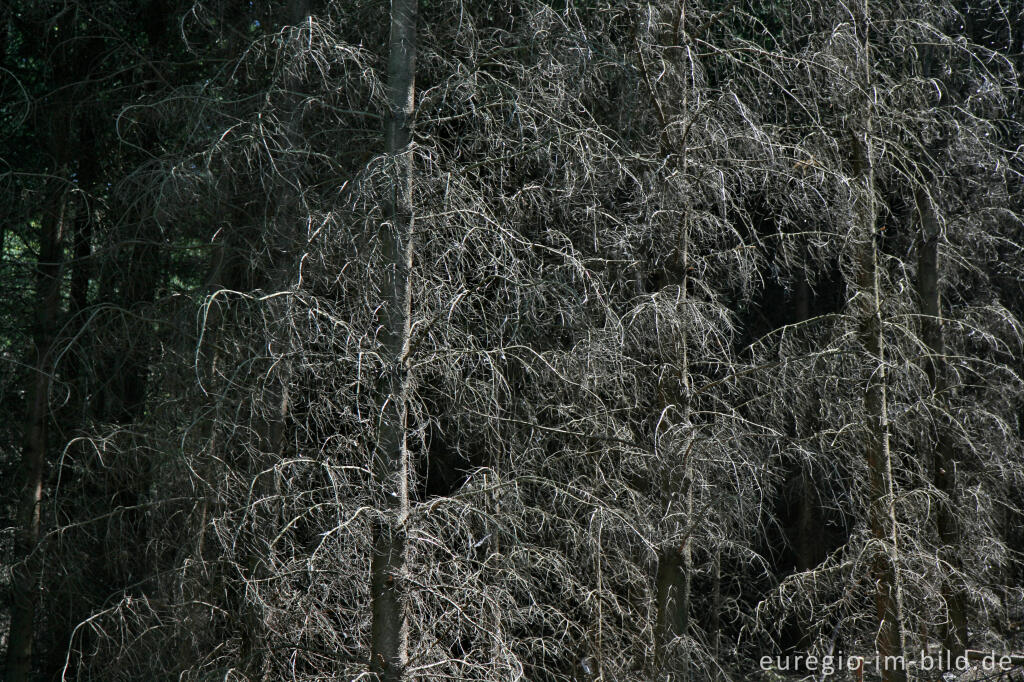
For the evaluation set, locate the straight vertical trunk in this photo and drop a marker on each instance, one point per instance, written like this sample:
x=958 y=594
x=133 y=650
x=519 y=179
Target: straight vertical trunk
x=675 y=559
x=810 y=537
x=390 y=630
x=867 y=311
x=669 y=586
x=810 y=550
x=33 y=454
x=673 y=582
x=954 y=631
x=81 y=264
x=682 y=609
x=881 y=509
x=715 y=618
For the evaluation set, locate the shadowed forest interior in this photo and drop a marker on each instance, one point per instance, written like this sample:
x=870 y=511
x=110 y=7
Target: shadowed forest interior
x=551 y=340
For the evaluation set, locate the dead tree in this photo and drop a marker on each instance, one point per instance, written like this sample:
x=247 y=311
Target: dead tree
x=389 y=653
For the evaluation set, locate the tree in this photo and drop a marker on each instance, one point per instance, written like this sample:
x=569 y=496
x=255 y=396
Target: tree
x=51 y=223
x=389 y=652
x=546 y=340
x=903 y=139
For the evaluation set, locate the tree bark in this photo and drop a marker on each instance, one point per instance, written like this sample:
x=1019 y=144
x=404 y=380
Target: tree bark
x=940 y=453
x=673 y=582
x=881 y=509
x=675 y=560
x=867 y=312
x=715 y=618
x=810 y=536
x=669 y=590
x=390 y=630
x=34 y=446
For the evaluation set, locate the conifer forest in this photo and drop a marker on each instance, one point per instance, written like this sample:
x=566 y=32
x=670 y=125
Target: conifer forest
x=511 y=340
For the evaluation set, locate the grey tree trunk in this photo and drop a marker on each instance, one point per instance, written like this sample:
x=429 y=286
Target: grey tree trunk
x=390 y=630
x=867 y=312
x=881 y=509
x=675 y=560
x=672 y=584
x=33 y=454
x=954 y=631
x=669 y=588
x=715 y=618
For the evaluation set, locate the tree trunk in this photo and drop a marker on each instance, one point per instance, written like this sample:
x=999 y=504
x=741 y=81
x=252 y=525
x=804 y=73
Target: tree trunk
x=867 y=312
x=715 y=618
x=881 y=509
x=668 y=585
x=810 y=536
x=675 y=564
x=33 y=455
x=940 y=454
x=675 y=560
x=81 y=264
x=390 y=631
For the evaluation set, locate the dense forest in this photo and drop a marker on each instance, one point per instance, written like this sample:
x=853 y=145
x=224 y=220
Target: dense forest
x=511 y=339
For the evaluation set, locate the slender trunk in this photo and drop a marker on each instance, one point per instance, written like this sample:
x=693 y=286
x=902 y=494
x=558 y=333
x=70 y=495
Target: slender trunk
x=80 y=269
x=940 y=454
x=810 y=539
x=715 y=618
x=390 y=630
x=675 y=560
x=675 y=564
x=683 y=607
x=492 y=530
x=81 y=264
x=881 y=509
x=668 y=586
x=810 y=536
x=598 y=650
x=867 y=311
x=33 y=455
